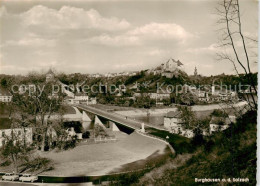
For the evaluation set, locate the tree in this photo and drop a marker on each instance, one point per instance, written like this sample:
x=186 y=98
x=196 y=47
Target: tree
x=235 y=43
x=187 y=116
x=35 y=108
x=15 y=149
x=188 y=98
x=198 y=136
x=99 y=131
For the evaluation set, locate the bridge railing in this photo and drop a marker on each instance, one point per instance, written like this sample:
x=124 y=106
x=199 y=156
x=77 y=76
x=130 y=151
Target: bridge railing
x=137 y=122
x=108 y=115
x=157 y=138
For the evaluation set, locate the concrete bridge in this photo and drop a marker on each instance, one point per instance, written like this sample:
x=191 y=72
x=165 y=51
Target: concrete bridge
x=116 y=118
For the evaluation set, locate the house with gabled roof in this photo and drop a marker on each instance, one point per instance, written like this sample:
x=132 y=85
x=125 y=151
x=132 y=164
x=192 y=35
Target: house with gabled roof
x=173 y=122
x=5 y=96
x=50 y=76
x=219 y=123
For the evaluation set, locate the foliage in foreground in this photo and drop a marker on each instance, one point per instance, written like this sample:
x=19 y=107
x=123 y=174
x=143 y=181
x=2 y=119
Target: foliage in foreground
x=230 y=154
x=38 y=164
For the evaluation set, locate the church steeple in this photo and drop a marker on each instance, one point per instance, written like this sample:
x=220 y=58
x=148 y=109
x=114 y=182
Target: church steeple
x=195 y=71
x=49 y=76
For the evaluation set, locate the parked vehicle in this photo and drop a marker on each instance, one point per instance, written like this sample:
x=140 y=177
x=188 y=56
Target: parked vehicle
x=28 y=177
x=10 y=177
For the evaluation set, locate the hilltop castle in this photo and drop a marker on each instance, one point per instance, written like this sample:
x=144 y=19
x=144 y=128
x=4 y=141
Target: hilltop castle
x=168 y=69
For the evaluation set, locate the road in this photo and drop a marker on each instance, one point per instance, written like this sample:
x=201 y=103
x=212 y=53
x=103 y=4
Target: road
x=15 y=183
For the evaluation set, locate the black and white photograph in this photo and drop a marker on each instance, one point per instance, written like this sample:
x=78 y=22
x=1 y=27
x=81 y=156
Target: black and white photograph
x=128 y=92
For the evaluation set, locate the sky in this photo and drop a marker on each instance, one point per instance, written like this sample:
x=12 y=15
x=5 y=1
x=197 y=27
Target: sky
x=114 y=36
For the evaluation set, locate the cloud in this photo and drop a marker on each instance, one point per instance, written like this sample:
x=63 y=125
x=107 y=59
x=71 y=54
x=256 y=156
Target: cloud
x=158 y=52
x=158 y=32
x=3 y=11
x=121 y=40
x=84 y=37
x=162 y=31
x=35 y=42
x=71 y=18
x=47 y=25
x=209 y=49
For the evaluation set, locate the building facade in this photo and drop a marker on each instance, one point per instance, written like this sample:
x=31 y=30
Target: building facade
x=21 y=134
x=173 y=123
x=5 y=96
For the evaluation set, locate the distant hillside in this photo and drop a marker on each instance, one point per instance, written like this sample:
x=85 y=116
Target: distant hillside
x=153 y=80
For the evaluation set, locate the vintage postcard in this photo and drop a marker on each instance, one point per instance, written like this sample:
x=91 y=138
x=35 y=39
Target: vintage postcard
x=128 y=92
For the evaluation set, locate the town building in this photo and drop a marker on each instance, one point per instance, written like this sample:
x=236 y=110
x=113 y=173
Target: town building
x=171 y=68
x=168 y=69
x=220 y=123
x=71 y=98
x=81 y=99
x=203 y=96
x=173 y=122
x=159 y=96
x=21 y=134
x=5 y=96
x=50 y=76
x=171 y=65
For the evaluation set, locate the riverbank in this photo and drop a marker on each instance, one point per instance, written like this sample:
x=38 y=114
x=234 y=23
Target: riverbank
x=142 y=112
x=162 y=111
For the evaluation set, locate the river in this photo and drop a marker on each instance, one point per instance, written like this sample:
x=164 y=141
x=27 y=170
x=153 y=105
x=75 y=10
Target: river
x=156 y=116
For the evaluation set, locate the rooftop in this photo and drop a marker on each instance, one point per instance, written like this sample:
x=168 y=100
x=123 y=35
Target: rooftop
x=5 y=123
x=178 y=62
x=80 y=94
x=50 y=72
x=4 y=92
x=220 y=120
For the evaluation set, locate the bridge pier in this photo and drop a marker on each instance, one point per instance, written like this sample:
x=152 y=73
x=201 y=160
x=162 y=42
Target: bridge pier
x=98 y=122
x=113 y=126
x=86 y=121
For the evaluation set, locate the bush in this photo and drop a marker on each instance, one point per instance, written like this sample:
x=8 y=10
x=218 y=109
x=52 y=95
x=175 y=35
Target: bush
x=86 y=134
x=75 y=124
x=70 y=144
x=38 y=163
x=219 y=113
x=179 y=143
x=5 y=163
